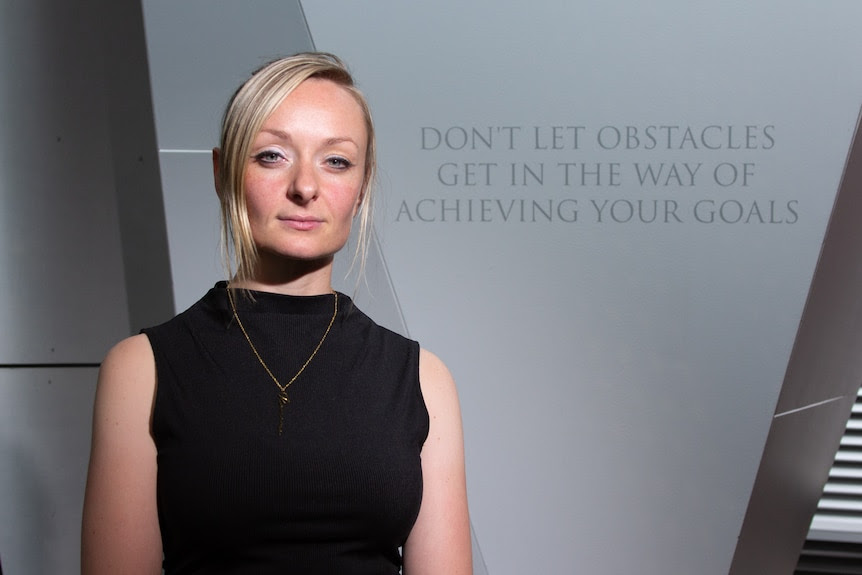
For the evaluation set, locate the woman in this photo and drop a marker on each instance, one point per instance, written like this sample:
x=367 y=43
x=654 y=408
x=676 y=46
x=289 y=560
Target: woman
x=273 y=427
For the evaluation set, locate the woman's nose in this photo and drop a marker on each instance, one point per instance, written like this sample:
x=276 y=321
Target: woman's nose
x=303 y=185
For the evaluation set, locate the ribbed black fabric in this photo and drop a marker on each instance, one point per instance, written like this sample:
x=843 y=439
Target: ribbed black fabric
x=338 y=491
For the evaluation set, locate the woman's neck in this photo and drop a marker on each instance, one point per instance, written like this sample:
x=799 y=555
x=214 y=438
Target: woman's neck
x=292 y=277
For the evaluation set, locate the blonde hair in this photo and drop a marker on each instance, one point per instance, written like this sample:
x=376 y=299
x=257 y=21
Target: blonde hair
x=249 y=107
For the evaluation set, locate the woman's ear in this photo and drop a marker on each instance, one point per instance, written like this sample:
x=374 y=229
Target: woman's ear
x=359 y=200
x=216 y=156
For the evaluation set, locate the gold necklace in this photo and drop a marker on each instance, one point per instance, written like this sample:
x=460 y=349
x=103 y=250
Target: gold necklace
x=282 y=387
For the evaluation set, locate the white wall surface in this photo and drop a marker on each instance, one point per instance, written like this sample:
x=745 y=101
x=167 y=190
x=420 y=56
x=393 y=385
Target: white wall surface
x=617 y=378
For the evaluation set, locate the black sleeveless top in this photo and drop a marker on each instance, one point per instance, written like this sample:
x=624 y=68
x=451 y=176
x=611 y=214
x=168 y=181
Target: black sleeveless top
x=338 y=491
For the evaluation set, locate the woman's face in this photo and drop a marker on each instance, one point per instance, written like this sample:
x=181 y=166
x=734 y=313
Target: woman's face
x=305 y=173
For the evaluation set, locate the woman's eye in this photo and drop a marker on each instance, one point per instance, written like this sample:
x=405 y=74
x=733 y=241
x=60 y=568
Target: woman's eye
x=268 y=157
x=338 y=162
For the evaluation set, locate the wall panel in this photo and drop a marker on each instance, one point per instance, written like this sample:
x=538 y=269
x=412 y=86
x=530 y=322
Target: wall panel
x=44 y=449
x=64 y=298
x=620 y=341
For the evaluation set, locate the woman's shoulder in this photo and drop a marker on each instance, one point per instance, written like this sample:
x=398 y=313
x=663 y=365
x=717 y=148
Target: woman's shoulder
x=132 y=349
x=433 y=364
x=438 y=385
x=129 y=361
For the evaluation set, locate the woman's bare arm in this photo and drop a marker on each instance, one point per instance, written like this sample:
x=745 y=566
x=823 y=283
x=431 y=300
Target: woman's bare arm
x=439 y=543
x=120 y=530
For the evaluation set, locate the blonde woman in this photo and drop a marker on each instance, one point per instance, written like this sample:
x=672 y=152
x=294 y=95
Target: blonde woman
x=273 y=427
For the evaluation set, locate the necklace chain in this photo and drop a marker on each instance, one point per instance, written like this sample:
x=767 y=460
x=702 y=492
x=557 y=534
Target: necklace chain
x=282 y=387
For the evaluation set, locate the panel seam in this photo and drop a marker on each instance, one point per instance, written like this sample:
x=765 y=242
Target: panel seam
x=798 y=409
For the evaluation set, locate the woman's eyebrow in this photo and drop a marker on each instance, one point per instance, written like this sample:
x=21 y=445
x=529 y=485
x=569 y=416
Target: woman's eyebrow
x=282 y=135
x=332 y=141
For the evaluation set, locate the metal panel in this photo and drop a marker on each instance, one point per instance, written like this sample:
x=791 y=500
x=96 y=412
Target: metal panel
x=192 y=219
x=788 y=484
x=44 y=447
x=201 y=50
x=62 y=281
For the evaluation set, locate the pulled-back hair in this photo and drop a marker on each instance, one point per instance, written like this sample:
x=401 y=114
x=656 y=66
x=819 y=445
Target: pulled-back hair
x=249 y=107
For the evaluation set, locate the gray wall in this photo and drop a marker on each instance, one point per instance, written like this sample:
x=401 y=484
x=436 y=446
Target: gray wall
x=64 y=299
x=618 y=377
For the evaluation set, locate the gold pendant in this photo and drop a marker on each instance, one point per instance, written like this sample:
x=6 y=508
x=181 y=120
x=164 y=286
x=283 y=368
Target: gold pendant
x=282 y=401
x=282 y=389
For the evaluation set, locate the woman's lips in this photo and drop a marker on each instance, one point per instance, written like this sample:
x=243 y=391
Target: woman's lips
x=301 y=222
